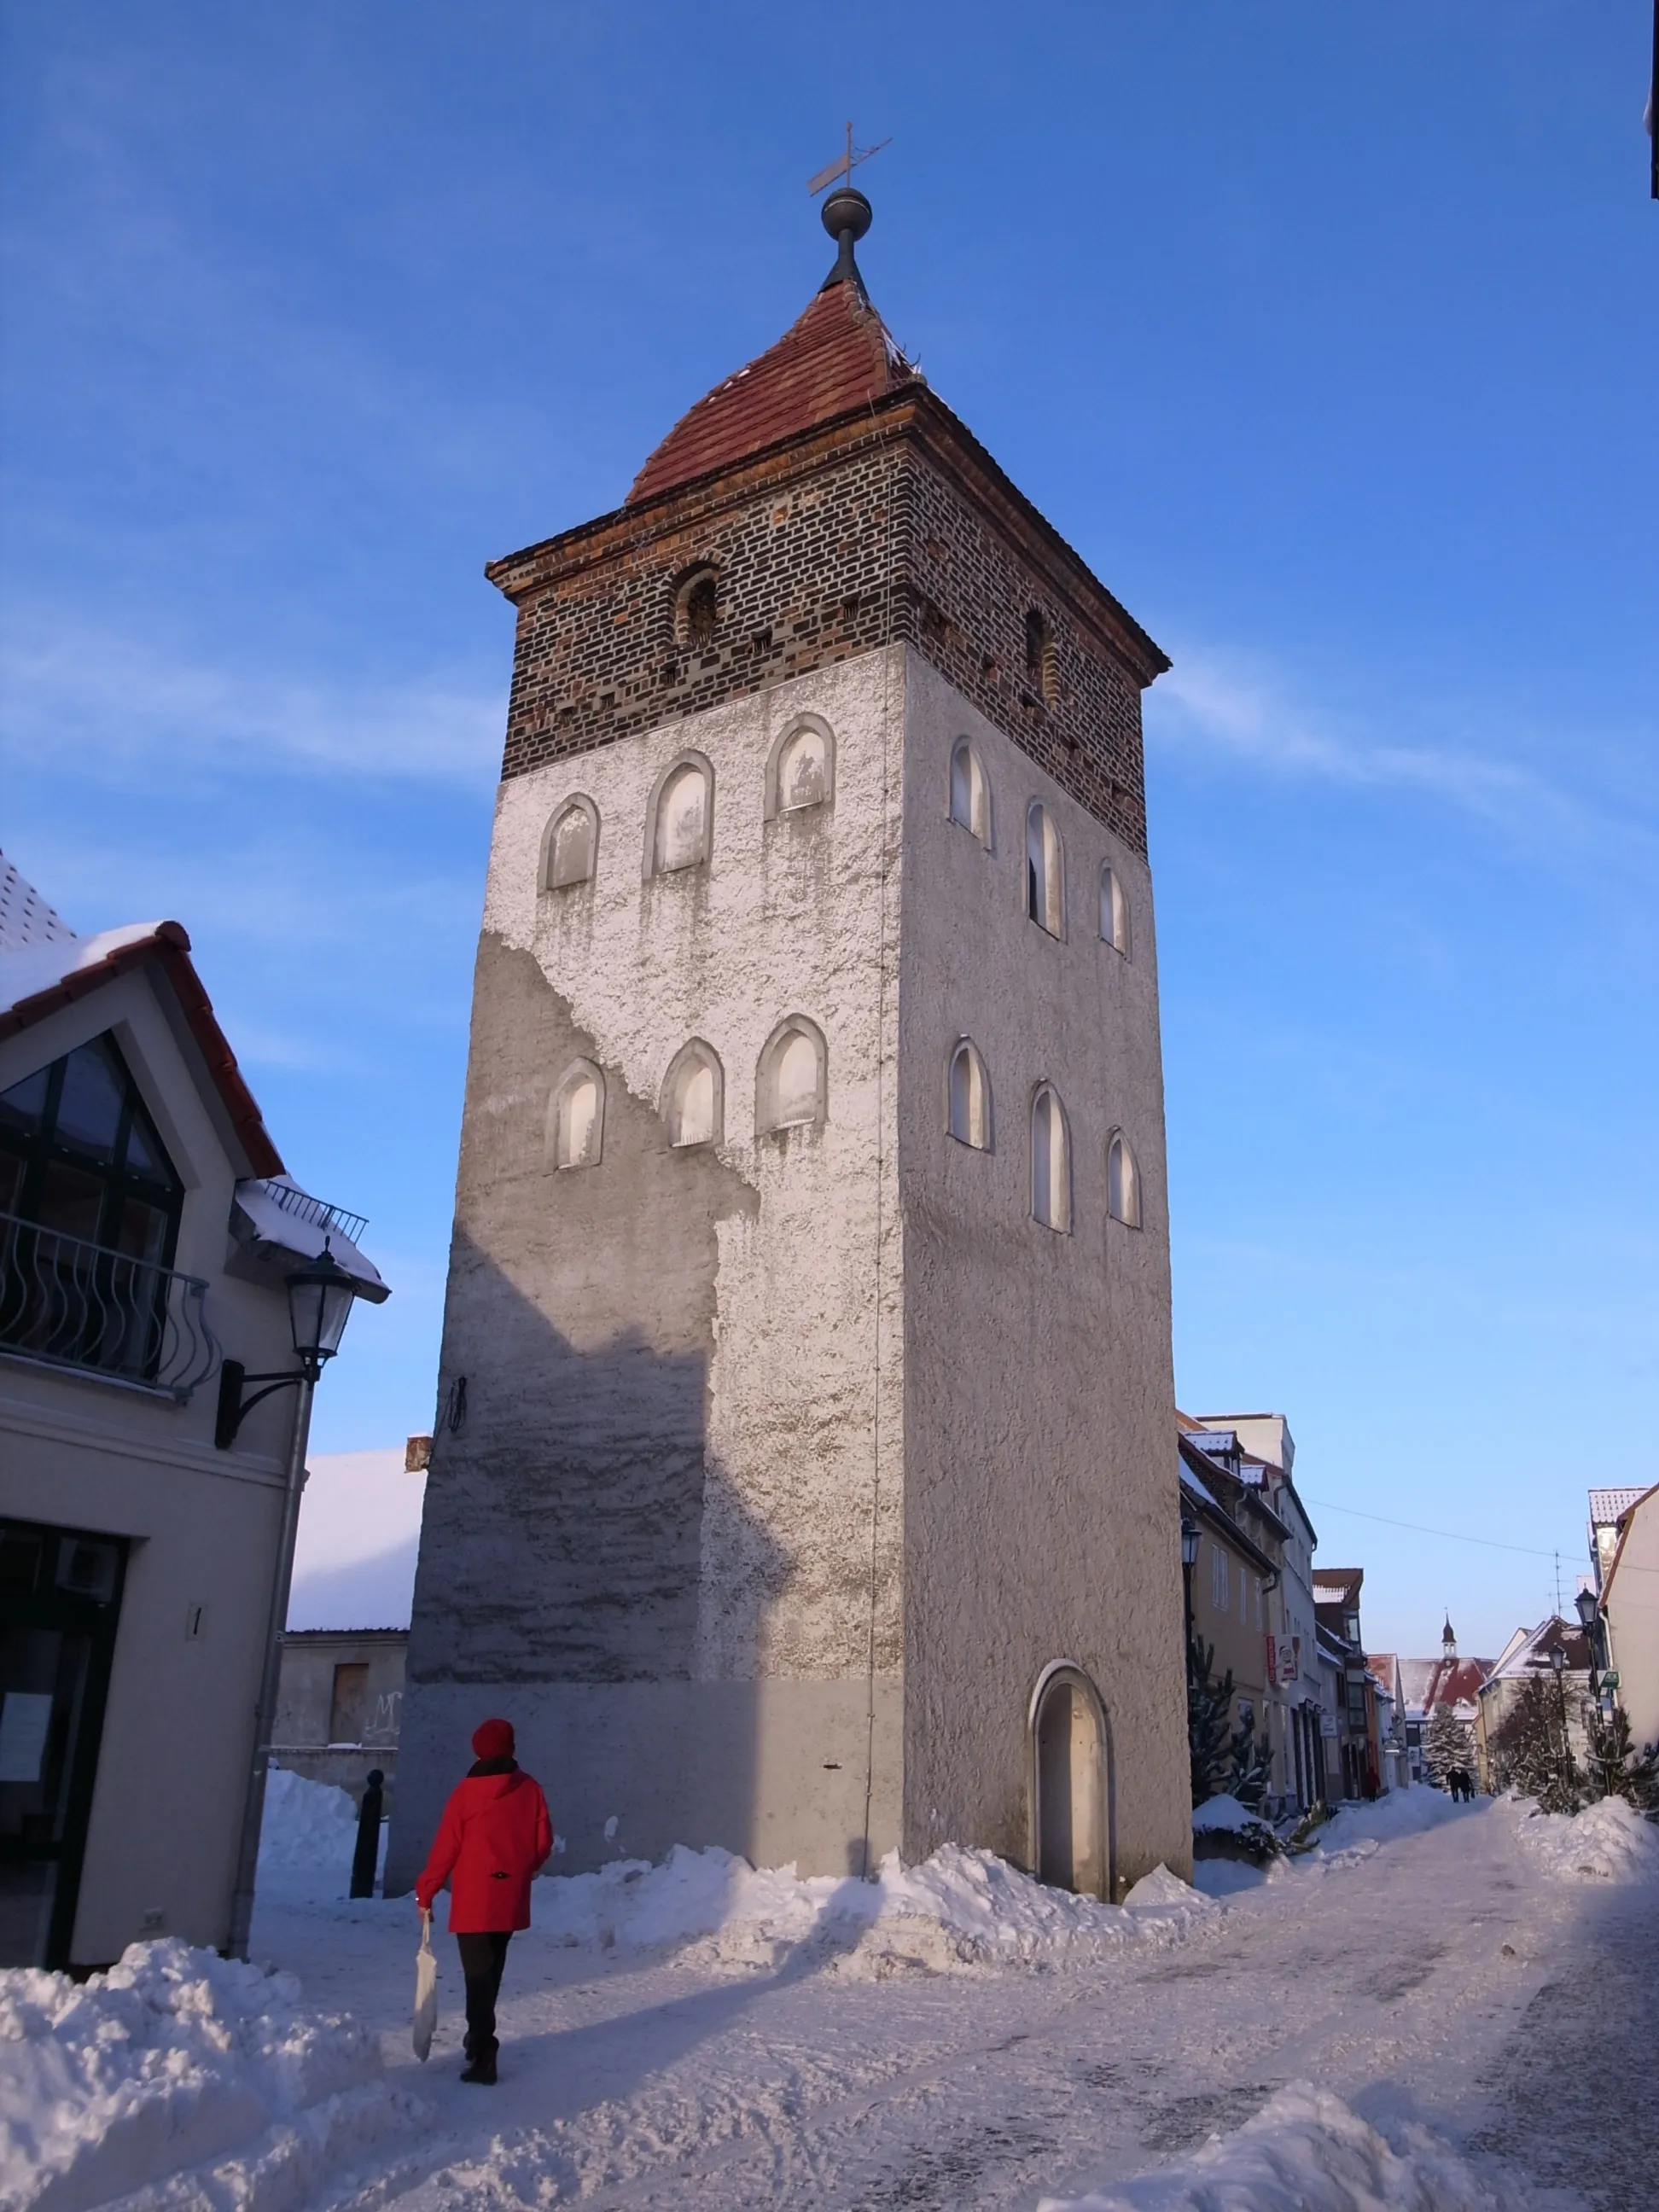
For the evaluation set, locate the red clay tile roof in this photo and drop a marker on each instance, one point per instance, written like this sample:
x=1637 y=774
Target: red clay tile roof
x=166 y=943
x=837 y=357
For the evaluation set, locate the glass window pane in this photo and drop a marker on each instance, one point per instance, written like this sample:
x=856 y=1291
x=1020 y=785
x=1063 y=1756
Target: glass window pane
x=146 y=1155
x=71 y=1201
x=89 y=1109
x=22 y=1107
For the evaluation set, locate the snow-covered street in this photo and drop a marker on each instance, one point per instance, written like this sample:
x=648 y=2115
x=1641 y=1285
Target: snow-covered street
x=1480 y=1990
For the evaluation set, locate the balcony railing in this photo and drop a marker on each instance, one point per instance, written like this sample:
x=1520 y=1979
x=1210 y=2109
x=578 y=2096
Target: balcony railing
x=69 y=1304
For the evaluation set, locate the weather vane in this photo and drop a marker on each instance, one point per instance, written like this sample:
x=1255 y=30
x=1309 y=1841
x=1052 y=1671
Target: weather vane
x=844 y=164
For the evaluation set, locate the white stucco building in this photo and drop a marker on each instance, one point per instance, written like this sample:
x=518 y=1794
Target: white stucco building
x=146 y=1229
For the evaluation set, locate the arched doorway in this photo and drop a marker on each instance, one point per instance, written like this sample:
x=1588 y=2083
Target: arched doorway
x=1071 y=1783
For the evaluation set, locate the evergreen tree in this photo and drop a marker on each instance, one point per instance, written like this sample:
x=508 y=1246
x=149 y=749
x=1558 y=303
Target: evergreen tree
x=1446 y=1744
x=1209 y=1708
x=1530 y=1753
x=1252 y=1757
x=1615 y=1768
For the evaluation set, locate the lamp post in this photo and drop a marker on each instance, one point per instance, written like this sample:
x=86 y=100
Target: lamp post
x=1188 y=1561
x=1590 y=1609
x=319 y=1297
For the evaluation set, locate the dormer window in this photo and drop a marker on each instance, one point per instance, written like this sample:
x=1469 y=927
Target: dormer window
x=697 y=609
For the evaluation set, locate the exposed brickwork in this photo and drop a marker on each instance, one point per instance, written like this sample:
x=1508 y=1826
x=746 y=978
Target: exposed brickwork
x=894 y=525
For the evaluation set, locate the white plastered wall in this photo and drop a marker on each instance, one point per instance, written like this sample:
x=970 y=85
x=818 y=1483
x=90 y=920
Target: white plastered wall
x=798 y=1636
x=78 y=1451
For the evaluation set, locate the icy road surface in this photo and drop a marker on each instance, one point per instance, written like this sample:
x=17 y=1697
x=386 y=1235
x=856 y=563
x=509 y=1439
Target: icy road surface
x=1453 y=1976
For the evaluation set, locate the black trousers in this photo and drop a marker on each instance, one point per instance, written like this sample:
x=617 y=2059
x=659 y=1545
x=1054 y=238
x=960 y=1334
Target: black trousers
x=483 y=1958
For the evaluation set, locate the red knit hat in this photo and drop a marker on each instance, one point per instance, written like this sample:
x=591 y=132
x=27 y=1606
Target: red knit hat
x=494 y=1740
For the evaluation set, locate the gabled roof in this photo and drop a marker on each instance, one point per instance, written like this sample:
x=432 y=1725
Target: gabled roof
x=835 y=359
x=1431 y=1682
x=47 y=974
x=1627 y=1523
x=1607 y=1505
x=1530 y=1655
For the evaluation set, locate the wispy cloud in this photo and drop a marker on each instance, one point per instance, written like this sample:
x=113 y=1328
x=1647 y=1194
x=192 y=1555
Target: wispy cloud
x=108 y=700
x=1230 y=705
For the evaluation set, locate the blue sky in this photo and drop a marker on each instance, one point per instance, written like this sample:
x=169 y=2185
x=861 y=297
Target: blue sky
x=1327 y=336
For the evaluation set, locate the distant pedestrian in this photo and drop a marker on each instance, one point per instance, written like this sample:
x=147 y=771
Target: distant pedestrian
x=494 y=1838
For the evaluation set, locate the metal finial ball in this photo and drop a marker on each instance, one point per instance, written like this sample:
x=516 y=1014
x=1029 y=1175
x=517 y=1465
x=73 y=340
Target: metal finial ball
x=846 y=209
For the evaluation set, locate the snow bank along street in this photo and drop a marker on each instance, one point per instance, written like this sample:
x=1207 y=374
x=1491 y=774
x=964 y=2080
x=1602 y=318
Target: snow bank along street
x=1357 y=2028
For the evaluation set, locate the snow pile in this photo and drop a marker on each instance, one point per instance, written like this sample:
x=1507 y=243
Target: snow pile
x=959 y=1910
x=1305 y=2152
x=307 y=1843
x=1610 y=1841
x=1223 y=1815
x=1225 y=1828
x=177 y=2059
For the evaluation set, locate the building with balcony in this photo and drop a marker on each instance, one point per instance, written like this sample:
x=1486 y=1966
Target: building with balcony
x=147 y=1228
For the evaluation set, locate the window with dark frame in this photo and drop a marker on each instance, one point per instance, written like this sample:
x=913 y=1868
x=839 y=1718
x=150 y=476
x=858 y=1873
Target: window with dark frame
x=80 y=1155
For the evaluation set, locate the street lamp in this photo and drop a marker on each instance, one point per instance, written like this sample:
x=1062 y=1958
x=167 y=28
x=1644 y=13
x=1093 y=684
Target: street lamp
x=1188 y=1561
x=319 y=1297
x=1589 y=1611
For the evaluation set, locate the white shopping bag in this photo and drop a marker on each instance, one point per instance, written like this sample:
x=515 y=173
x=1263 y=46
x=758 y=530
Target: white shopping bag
x=426 y=1991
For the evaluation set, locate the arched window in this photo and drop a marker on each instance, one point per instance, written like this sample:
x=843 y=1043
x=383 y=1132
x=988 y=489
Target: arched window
x=801 y=772
x=682 y=815
x=1040 y=657
x=693 y=1095
x=791 y=1089
x=1122 y=1181
x=970 y=794
x=969 y=1097
x=1051 y=1161
x=570 y=849
x=576 y=1117
x=1114 y=911
x=1045 y=885
x=697 y=608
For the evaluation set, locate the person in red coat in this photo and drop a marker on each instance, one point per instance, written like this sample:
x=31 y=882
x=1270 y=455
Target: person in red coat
x=493 y=1840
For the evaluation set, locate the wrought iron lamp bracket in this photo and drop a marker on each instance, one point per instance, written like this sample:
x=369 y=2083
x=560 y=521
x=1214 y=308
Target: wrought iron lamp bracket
x=234 y=1407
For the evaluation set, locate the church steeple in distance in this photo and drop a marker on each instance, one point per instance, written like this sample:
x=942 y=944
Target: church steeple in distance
x=1448 y=1640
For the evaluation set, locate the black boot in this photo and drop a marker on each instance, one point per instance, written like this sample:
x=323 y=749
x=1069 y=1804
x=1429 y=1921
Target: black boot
x=482 y=2070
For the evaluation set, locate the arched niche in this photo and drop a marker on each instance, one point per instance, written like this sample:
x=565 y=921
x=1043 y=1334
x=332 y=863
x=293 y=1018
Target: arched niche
x=1122 y=1180
x=570 y=844
x=1051 y=1160
x=1070 y=1784
x=968 y=1096
x=694 y=1097
x=680 y=819
x=970 y=793
x=1045 y=871
x=576 y=1117
x=792 y=1080
x=800 y=769
x=1113 y=910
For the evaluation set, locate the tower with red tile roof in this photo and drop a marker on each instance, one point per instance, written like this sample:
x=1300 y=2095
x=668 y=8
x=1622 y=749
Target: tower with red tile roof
x=801 y=1483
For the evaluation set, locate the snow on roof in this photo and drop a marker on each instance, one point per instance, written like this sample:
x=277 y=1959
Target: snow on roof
x=41 y=978
x=1431 y=1682
x=360 y=1532
x=1530 y=1656
x=278 y=1213
x=1607 y=1505
x=40 y=964
x=25 y=917
x=1190 y=1481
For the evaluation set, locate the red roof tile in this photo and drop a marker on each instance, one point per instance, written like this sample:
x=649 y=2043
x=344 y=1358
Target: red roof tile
x=835 y=358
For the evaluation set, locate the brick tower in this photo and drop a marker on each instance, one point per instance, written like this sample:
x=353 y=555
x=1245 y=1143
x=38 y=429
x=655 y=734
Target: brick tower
x=805 y=1477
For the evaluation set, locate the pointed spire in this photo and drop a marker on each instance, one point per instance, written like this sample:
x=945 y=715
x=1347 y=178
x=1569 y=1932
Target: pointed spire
x=1448 y=1640
x=836 y=358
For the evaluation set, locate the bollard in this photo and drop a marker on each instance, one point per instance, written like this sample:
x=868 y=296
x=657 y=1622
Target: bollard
x=366 y=1857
